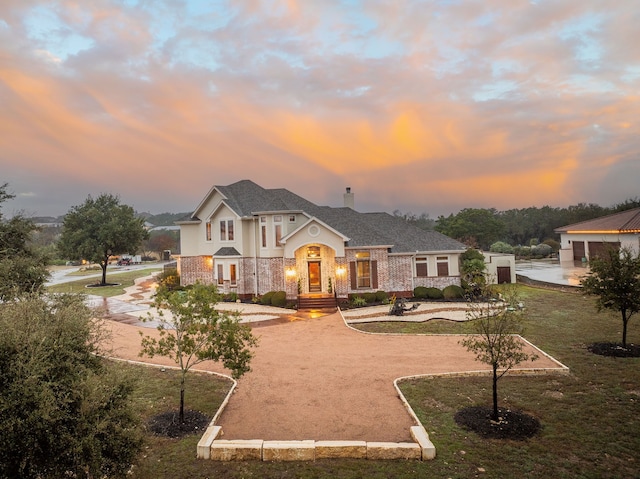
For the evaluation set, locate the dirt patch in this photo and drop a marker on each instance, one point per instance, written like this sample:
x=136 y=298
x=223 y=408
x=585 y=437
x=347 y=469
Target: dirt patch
x=168 y=423
x=615 y=350
x=510 y=424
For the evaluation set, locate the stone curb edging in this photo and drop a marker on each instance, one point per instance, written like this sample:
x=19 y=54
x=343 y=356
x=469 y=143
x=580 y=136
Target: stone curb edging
x=210 y=447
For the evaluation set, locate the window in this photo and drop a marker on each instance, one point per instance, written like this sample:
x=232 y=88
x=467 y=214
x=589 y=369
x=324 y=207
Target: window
x=208 y=231
x=292 y=218
x=263 y=231
x=363 y=269
x=421 y=266
x=442 y=263
x=226 y=230
x=277 y=229
x=220 y=274
x=227 y=271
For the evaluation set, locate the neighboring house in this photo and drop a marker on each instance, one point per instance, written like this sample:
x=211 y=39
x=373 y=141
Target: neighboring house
x=582 y=241
x=250 y=240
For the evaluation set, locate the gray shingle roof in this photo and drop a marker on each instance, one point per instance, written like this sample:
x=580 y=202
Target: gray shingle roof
x=623 y=222
x=227 y=251
x=364 y=229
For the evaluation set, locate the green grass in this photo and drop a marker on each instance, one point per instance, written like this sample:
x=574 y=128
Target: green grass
x=590 y=418
x=124 y=280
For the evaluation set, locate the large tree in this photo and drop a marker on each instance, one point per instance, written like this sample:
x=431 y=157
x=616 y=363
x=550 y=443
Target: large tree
x=22 y=268
x=473 y=226
x=100 y=228
x=614 y=278
x=194 y=331
x=64 y=411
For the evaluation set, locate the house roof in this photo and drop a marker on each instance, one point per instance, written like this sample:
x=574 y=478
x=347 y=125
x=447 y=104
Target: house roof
x=227 y=251
x=624 y=222
x=247 y=199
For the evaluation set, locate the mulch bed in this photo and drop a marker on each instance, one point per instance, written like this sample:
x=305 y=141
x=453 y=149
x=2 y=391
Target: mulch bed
x=615 y=350
x=168 y=423
x=512 y=425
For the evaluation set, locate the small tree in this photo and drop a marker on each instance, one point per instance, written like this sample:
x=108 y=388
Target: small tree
x=496 y=341
x=194 y=331
x=100 y=228
x=614 y=278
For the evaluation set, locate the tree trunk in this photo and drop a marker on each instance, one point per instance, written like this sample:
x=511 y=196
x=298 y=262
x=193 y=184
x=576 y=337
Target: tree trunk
x=625 y=320
x=182 y=399
x=494 y=415
x=104 y=271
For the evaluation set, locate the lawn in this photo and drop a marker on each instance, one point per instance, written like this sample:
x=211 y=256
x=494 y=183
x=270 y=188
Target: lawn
x=590 y=418
x=123 y=279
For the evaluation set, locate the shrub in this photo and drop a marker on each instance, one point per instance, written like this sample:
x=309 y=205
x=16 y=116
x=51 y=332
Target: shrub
x=555 y=246
x=266 y=298
x=453 y=291
x=231 y=297
x=279 y=299
x=501 y=247
x=169 y=279
x=382 y=297
x=358 y=301
x=434 y=293
x=369 y=297
x=420 y=292
x=541 y=250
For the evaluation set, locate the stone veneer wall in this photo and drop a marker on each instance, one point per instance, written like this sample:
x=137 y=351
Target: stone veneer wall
x=196 y=268
x=440 y=282
x=400 y=275
x=270 y=275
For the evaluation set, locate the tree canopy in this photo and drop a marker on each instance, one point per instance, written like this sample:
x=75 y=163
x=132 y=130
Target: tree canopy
x=100 y=228
x=614 y=278
x=22 y=268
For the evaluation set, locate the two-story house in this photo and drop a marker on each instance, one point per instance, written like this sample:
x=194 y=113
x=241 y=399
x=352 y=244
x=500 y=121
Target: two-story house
x=251 y=240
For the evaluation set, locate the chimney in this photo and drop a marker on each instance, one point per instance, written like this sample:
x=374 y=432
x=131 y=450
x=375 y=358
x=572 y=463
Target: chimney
x=349 y=201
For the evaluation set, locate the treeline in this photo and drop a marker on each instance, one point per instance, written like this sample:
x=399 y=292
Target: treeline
x=481 y=228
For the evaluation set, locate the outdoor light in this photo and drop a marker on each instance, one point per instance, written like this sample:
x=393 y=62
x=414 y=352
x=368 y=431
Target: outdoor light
x=291 y=272
x=340 y=271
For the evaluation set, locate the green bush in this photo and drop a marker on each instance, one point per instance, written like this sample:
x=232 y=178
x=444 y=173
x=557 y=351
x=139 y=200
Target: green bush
x=541 y=250
x=169 y=279
x=434 y=293
x=231 y=297
x=382 y=297
x=420 y=292
x=358 y=301
x=266 y=298
x=453 y=291
x=369 y=297
x=279 y=299
x=501 y=247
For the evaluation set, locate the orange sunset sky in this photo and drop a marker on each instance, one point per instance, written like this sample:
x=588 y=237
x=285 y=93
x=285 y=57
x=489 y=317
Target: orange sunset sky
x=420 y=106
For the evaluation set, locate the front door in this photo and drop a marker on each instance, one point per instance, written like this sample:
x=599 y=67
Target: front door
x=315 y=281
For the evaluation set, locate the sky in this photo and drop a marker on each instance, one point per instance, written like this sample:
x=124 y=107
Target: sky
x=420 y=106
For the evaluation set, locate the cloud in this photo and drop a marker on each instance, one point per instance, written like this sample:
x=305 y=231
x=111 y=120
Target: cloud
x=428 y=106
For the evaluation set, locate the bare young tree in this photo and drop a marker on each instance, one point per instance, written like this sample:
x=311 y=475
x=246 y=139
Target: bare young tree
x=496 y=341
x=192 y=330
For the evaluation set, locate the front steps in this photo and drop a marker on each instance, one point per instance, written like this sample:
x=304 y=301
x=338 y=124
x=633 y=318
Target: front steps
x=317 y=302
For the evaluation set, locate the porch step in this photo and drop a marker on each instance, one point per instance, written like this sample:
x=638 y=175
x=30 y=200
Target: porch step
x=316 y=302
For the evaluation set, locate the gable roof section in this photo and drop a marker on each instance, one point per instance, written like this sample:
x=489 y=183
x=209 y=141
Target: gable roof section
x=247 y=199
x=623 y=222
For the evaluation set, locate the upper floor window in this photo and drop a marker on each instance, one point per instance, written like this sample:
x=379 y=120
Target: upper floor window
x=421 y=266
x=263 y=231
x=226 y=230
x=277 y=229
x=292 y=218
x=208 y=230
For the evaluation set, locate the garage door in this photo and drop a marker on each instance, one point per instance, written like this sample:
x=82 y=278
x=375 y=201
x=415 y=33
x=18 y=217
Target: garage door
x=578 y=250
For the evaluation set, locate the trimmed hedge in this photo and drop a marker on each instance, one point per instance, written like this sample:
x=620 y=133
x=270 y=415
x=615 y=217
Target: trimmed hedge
x=382 y=297
x=453 y=291
x=279 y=299
x=420 y=292
x=369 y=297
x=434 y=293
x=266 y=298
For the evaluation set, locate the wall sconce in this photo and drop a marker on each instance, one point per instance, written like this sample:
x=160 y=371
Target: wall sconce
x=291 y=273
x=340 y=271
